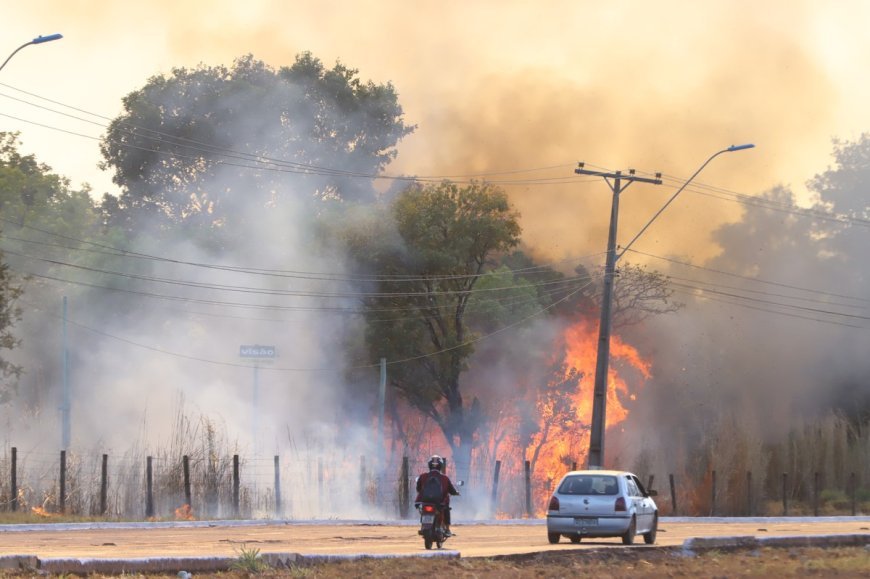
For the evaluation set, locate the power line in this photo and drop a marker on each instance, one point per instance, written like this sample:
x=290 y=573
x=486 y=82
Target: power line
x=772 y=311
x=263 y=162
x=329 y=369
x=321 y=276
x=287 y=293
x=748 y=278
x=772 y=302
x=505 y=301
x=272 y=164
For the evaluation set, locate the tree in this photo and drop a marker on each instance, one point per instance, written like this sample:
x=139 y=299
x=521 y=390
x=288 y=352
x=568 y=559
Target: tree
x=201 y=147
x=429 y=262
x=10 y=313
x=44 y=224
x=637 y=295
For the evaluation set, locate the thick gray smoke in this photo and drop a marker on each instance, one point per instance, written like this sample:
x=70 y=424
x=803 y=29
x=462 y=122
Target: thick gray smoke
x=774 y=334
x=155 y=366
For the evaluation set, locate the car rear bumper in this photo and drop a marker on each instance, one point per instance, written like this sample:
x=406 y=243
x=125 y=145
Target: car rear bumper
x=603 y=527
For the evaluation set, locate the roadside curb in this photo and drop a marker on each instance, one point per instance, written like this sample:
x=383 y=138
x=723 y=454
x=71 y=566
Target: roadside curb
x=87 y=566
x=698 y=544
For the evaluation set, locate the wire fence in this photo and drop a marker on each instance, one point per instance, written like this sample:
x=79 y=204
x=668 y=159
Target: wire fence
x=331 y=486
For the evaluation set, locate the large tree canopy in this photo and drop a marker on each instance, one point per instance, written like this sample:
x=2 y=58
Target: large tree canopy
x=445 y=239
x=203 y=145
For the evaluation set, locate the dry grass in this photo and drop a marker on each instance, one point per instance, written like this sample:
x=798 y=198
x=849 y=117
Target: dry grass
x=612 y=563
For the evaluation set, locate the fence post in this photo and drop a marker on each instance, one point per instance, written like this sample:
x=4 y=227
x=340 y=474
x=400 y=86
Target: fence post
x=185 y=468
x=13 y=491
x=236 y=485
x=149 y=485
x=104 y=485
x=785 y=494
x=405 y=489
x=853 y=487
x=321 y=499
x=673 y=494
x=749 y=492
x=713 y=496
x=277 y=486
x=816 y=478
x=362 y=480
x=528 y=477
x=63 y=481
x=493 y=502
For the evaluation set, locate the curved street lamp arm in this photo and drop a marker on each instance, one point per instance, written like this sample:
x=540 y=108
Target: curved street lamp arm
x=730 y=149
x=37 y=40
x=8 y=58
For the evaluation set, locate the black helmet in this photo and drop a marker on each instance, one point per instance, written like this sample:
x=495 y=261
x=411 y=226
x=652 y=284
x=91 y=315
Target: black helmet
x=436 y=463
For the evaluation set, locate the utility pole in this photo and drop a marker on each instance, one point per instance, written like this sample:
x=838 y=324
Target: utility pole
x=382 y=398
x=617 y=183
x=66 y=405
x=595 y=460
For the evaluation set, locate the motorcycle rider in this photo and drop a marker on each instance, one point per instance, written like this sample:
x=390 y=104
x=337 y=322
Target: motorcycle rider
x=436 y=469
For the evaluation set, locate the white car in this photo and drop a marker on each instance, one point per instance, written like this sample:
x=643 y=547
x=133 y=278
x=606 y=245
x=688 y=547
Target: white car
x=602 y=503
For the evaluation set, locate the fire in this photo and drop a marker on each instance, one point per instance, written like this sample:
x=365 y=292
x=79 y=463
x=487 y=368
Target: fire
x=565 y=406
x=184 y=513
x=581 y=344
x=40 y=512
x=547 y=424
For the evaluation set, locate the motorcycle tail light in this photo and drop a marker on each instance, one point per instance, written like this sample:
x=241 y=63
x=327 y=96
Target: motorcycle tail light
x=554 y=503
x=428 y=509
x=620 y=505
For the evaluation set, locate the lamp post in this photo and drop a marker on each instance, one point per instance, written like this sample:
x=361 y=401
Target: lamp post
x=37 y=40
x=595 y=459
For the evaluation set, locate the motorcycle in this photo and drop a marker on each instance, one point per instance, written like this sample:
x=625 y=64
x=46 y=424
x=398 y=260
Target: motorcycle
x=432 y=523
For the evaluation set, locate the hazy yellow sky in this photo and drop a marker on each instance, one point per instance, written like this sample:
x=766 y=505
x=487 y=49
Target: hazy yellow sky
x=499 y=85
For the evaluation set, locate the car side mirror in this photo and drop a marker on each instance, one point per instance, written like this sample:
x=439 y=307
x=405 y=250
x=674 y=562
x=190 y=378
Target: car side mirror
x=652 y=493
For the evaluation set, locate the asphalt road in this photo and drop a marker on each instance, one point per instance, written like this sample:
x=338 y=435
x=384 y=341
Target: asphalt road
x=143 y=540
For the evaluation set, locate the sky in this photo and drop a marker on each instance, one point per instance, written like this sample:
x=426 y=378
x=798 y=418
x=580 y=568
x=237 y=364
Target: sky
x=497 y=86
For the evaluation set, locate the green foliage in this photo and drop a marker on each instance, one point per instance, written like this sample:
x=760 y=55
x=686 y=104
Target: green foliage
x=429 y=262
x=10 y=313
x=205 y=147
x=249 y=561
x=38 y=212
x=502 y=299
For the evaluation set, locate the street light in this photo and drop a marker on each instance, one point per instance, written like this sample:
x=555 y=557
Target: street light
x=595 y=458
x=37 y=40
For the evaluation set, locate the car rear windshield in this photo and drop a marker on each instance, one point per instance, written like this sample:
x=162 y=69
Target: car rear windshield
x=589 y=485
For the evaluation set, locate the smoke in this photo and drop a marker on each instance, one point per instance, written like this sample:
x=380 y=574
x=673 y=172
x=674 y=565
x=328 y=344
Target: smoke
x=158 y=345
x=657 y=87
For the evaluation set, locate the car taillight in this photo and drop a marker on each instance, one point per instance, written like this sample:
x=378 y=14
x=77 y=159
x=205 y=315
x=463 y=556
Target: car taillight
x=428 y=508
x=620 y=504
x=554 y=503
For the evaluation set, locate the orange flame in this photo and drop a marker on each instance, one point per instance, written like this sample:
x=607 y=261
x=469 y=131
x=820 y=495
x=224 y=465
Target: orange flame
x=184 y=513
x=562 y=439
x=40 y=512
x=547 y=424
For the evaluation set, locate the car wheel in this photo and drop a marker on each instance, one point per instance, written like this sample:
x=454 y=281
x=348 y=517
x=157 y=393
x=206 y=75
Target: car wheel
x=553 y=538
x=650 y=537
x=628 y=537
x=575 y=539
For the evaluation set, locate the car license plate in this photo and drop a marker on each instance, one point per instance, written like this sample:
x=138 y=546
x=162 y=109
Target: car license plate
x=586 y=521
x=428 y=519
